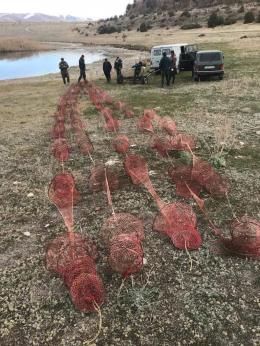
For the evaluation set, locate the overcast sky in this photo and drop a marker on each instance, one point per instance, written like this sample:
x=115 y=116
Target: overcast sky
x=82 y=8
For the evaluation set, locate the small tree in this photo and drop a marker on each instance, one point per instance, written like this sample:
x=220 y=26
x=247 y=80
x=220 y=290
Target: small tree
x=249 y=17
x=213 y=20
x=143 y=27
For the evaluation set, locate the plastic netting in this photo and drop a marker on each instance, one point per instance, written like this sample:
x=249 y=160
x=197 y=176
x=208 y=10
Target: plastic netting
x=120 y=105
x=121 y=144
x=180 y=142
x=97 y=180
x=145 y=123
x=66 y=249
x=84 y=143
x=128 y=112
x=136 y=168
x=204 y=174
x=62 y=191
x=168 y=125
x=182 y=177
x=58 y=130
x=60 y=149
x=87 y=292
x=126 y=254
x=63 y=194
x=244 y=240
x=112 y=125
x=78 y=266
x=178 y=221
x=122 y=223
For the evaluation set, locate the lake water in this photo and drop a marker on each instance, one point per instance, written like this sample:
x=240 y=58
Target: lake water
x=21 y=65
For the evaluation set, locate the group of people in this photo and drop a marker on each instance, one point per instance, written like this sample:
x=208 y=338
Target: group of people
x=167 y=67
x=64 y=70
x=107 y=68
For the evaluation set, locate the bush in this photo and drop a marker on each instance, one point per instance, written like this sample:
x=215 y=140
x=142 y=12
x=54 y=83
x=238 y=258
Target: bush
x=171 y=13
x=144 y=27
x=258 y=18
x=215 y=20
x=185 y=14
x=249 y=17
x=191 y=26
x=230 y=20
x=107 y=29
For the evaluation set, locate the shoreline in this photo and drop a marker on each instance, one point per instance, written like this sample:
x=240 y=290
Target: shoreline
x=94 y=70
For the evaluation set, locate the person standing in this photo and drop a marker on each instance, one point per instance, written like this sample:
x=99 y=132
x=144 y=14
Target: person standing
x=107 y=67
x=82 y=69
x=118 y=65
x=165 y=66
x=173 y=71
x=63 y=66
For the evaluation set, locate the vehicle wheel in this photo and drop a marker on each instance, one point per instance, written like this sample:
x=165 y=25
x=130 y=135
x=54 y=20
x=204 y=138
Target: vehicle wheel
x=221 y=77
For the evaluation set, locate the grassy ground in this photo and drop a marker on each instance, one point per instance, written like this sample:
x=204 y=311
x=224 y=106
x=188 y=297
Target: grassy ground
x=168 y=303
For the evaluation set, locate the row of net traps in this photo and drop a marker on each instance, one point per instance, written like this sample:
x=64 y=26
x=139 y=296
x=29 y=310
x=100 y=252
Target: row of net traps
x=68 y=111
x=123 y=232
x=72 y=256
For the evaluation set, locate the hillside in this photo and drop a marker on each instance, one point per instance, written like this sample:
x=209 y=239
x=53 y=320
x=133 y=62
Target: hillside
x=146 y=6
x=144 y=15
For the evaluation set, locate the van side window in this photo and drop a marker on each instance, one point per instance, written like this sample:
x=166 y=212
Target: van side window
x=157 y=52
x=167 y=51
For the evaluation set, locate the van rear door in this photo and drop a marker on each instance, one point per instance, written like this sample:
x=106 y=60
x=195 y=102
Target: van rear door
x=187 y=57
x=156 y=57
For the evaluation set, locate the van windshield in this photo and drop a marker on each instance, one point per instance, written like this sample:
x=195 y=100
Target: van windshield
x=157 y=52
x=207 y=57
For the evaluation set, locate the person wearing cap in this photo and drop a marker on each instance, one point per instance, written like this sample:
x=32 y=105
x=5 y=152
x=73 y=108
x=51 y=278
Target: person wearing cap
x=63 y=66
x=82 y=69
x=165 y=66
x=107 y=67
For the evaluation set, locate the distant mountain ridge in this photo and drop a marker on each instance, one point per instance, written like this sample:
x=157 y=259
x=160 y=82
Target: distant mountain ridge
x=38 y=17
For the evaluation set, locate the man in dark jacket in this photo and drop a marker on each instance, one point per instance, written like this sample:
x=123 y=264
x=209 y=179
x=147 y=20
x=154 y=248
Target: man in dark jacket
x=137 y=70
x=63 y=66
x=118 y=65
x=82 y=68
x=165 y=66
x=107 y=67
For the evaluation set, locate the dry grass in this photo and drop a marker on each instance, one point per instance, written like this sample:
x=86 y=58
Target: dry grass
x=8 y=45
x=64 y=32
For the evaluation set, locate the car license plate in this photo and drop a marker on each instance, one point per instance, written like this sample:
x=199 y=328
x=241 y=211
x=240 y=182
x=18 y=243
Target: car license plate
x=209 y=67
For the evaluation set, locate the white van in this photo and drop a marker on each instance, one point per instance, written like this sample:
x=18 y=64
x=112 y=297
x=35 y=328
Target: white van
x=179 y=49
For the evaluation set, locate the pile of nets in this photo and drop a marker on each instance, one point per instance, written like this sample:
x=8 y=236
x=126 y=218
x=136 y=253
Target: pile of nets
x=122 y=234
x=73 y=257
x=197 y=177
x=176 y=220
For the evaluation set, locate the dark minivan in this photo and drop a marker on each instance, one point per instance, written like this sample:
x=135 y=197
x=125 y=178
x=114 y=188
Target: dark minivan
x=208 y=63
